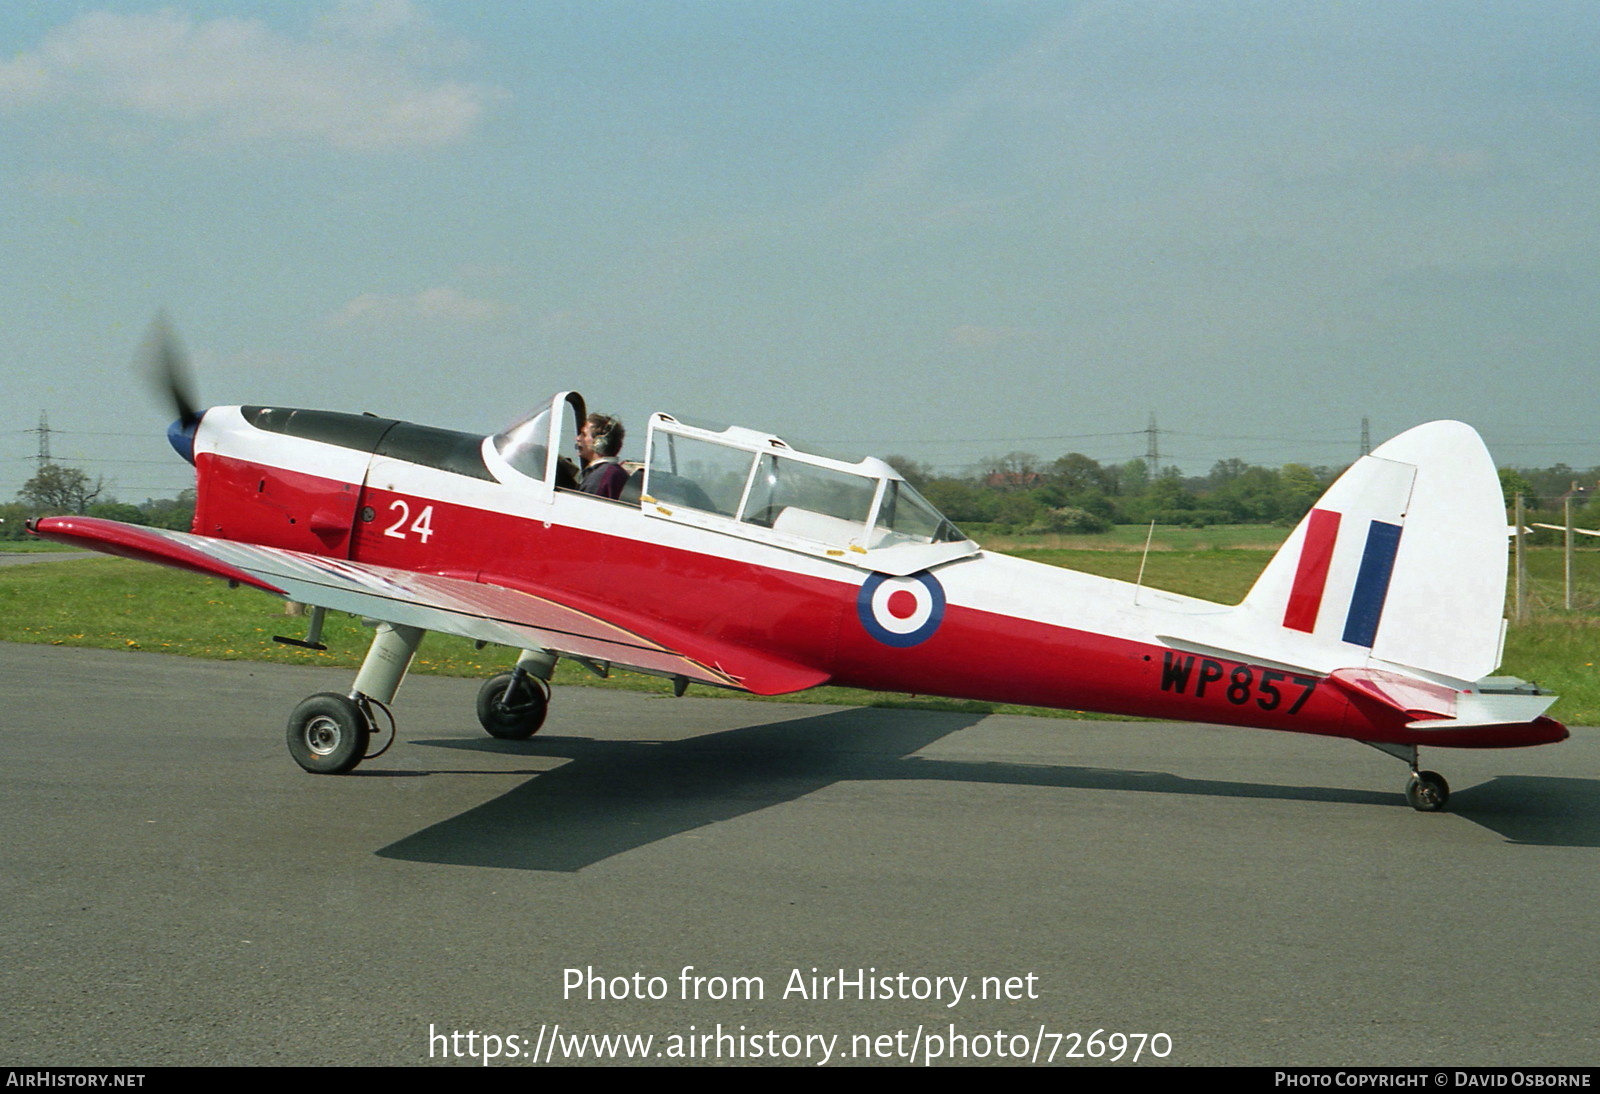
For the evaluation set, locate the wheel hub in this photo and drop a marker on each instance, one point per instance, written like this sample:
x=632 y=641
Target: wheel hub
x=322 y=735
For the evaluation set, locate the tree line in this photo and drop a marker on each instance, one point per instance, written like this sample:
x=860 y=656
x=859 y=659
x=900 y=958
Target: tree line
x=57 y=490
x=1021 y=493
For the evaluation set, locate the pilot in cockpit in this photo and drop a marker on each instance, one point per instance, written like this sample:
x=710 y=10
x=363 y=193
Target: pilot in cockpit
x=599 y=446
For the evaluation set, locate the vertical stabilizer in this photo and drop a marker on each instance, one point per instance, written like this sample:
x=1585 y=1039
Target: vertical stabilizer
x=1402 y=561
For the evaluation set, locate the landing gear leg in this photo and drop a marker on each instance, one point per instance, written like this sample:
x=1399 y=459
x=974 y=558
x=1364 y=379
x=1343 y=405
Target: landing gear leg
x=513 y=705
x=1426 y=791
x=329 y=733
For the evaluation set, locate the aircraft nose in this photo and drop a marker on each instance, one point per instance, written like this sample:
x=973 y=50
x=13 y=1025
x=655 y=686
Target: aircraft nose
x=180 y=435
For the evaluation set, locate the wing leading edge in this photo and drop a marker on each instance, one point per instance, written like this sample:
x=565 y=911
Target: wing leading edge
x=452 y=603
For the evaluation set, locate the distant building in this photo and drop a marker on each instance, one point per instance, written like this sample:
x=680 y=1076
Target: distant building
x=1013 y=480
x=1578 y=495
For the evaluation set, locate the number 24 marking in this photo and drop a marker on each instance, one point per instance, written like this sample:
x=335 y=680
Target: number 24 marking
x=423 y=525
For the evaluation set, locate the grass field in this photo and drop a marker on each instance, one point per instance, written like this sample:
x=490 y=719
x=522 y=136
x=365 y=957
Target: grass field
x=110 y=603
x=1131 y=537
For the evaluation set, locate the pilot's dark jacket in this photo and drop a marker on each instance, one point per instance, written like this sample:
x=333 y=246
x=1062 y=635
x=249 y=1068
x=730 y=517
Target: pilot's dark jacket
x=604 y=478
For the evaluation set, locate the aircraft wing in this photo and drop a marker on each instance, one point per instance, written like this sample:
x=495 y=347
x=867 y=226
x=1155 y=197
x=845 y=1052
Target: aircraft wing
x=1563 y=528
x=462 y=604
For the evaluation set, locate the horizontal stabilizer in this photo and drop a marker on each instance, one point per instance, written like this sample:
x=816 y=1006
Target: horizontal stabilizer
x=1410 y=696
x=1496 y=701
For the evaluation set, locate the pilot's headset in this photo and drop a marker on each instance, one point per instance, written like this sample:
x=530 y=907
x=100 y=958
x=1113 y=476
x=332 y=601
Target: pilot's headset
x=608 y=436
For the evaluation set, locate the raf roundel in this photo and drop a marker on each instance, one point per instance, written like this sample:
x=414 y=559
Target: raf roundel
x=901 y=611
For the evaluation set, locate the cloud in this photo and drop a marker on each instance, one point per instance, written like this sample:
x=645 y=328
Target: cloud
x=438 y=305
x=394 y=24
x=357 y=85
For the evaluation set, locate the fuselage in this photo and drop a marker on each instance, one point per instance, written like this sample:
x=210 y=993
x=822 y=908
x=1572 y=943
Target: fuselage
x=979 y=626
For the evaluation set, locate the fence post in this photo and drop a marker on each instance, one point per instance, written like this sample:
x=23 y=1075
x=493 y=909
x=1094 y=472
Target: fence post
x=1567 y=505
x=1521 y=567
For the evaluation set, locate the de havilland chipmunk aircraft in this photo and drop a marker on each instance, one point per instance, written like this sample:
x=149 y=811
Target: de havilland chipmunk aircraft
x=736 y=559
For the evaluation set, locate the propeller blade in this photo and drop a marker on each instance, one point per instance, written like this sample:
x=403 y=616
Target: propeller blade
x=167 y=365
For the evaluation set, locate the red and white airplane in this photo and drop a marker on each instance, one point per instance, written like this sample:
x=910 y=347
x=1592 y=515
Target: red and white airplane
x=738 y=560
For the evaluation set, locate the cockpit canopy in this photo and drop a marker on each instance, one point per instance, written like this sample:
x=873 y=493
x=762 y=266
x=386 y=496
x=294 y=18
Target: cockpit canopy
x=758 y=486
x=754 y=486
x=532 y=446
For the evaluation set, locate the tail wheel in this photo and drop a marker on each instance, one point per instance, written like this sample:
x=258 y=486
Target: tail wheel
x=1427 y=792
x=328 y=734
x=513 y=707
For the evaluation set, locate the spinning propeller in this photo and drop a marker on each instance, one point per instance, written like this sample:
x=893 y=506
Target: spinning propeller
x=167 y=367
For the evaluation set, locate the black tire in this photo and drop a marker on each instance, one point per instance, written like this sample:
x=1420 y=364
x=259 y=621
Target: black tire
x=328 y=734
x=521 y=717
x=1427 y=792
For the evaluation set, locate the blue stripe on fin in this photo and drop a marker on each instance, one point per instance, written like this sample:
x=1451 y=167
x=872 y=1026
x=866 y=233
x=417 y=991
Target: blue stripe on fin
x=1372 y=583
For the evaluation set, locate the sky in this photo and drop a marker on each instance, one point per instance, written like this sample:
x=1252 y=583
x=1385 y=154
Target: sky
x=941 y=230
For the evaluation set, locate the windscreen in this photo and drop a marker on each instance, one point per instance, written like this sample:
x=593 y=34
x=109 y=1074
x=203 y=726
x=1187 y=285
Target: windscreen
x=908 y=517
x=525 y=445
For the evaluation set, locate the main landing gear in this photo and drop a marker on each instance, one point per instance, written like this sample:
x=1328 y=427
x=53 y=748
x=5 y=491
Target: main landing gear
x=1426 y=791
x=512 y=706
x=329 y=733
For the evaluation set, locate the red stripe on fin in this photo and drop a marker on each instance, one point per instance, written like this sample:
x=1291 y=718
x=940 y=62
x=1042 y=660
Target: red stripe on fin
x=1311 y=575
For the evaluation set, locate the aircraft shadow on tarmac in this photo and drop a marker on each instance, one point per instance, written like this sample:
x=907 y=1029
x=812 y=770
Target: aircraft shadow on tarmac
x=1548 y=810
x=617 y=796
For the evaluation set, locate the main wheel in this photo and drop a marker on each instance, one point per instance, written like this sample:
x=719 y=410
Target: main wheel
x=513 y=716
x=328 y=734
x=1427 y=791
